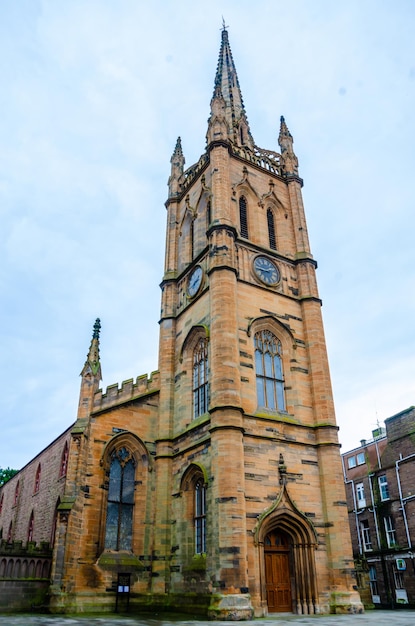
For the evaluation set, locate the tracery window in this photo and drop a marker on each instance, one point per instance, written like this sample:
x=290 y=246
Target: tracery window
x=37 y=479
x=243 y=217
x=271 y=230
x=64 y=460
x=269 y=374
x=200 y=378
x=31 y=527
x=120 y=504
x=10 y=533
x=200 y=517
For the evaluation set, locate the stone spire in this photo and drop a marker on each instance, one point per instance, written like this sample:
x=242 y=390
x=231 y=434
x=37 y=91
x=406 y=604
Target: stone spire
x=177 y=164
x=286 y=141
x=227 y=91
x=91 y=376
x=92 y=364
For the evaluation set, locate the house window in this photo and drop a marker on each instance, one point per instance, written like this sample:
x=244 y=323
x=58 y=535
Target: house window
x=120 y=504
x=269 y=376
x=271 y=229
x=16 y=493
x=361 y=458
x=351 y=462
x=360 y=496
x=200 y=379
x=383 y=488
x=398 y=578
x=373 y=581
x=64 y=460
x=367 y=542
x=243 y=217
x=390 y=531
x=37 y=479
x=31 y=527
x=200 y=517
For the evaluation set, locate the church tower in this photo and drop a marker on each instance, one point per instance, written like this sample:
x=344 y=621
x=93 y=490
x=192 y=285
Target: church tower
x=251 y=513
x=215 y=485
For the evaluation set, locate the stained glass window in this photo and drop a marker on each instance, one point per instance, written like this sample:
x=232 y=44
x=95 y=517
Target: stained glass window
x=119 y=525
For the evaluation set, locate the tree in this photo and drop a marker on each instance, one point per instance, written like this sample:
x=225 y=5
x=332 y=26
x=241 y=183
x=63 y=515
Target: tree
x=6 y=474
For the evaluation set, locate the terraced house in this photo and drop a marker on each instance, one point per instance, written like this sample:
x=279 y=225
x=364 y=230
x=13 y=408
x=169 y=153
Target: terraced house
x=214 y=486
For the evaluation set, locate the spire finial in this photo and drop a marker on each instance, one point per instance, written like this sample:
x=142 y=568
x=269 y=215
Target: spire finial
x=92 y=362
x=97 y=328
x=226 y=85
x=178 y=147
x=286 y=141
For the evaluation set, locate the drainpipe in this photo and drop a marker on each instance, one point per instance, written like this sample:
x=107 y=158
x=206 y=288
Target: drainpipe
x=402 y=499
x=374 y=510
x=378 y=455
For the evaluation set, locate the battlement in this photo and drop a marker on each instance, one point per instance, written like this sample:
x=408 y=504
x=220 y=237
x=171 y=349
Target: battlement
x=18 y=548
x=129 y=390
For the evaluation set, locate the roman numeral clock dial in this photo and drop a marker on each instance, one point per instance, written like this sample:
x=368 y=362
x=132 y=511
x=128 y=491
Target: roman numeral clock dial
x=266 y=270
x=195 y=281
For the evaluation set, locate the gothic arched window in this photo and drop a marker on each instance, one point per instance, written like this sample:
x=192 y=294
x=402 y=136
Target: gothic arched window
x=200 y=517
x=16 y=493
x=120 y=504
x=200 y=378
x=64 y=460
x=37 y=479
x=243 y=217
x=269 y=375
x=271 y=229
x=31 y=527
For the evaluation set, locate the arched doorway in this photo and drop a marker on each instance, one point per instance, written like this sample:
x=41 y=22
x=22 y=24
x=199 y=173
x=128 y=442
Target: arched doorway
x=277 y=548
x=287 y=542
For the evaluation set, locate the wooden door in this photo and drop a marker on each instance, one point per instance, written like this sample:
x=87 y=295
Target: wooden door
x=277 y=574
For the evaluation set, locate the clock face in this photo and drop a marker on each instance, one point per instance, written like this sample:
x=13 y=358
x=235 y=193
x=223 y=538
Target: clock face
x=195 y=281
x=266 y=270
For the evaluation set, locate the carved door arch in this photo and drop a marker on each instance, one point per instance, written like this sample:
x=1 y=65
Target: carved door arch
x=290 y=577
x=278 y=567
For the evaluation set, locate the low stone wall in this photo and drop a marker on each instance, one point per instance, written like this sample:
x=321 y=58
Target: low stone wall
x=23 y=595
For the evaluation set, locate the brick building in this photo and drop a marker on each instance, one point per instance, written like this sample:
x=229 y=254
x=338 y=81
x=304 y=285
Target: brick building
x=380 y=487
x=216 y=484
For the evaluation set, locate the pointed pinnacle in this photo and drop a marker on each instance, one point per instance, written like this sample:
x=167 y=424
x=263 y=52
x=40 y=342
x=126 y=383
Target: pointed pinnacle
x=178 y=147
x=97 y=328
x=284 y=128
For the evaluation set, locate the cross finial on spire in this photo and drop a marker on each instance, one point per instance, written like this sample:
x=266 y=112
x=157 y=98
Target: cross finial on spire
x=97 y=328
x=224 y=27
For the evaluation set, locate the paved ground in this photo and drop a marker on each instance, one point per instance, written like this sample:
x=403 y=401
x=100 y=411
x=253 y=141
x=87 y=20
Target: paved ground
x=370 y=618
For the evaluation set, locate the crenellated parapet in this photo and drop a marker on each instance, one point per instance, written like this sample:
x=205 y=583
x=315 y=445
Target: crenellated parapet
x=28 y=549
x=129 y=390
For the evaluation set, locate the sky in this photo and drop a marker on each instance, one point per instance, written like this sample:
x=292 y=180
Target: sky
x=94 y=94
